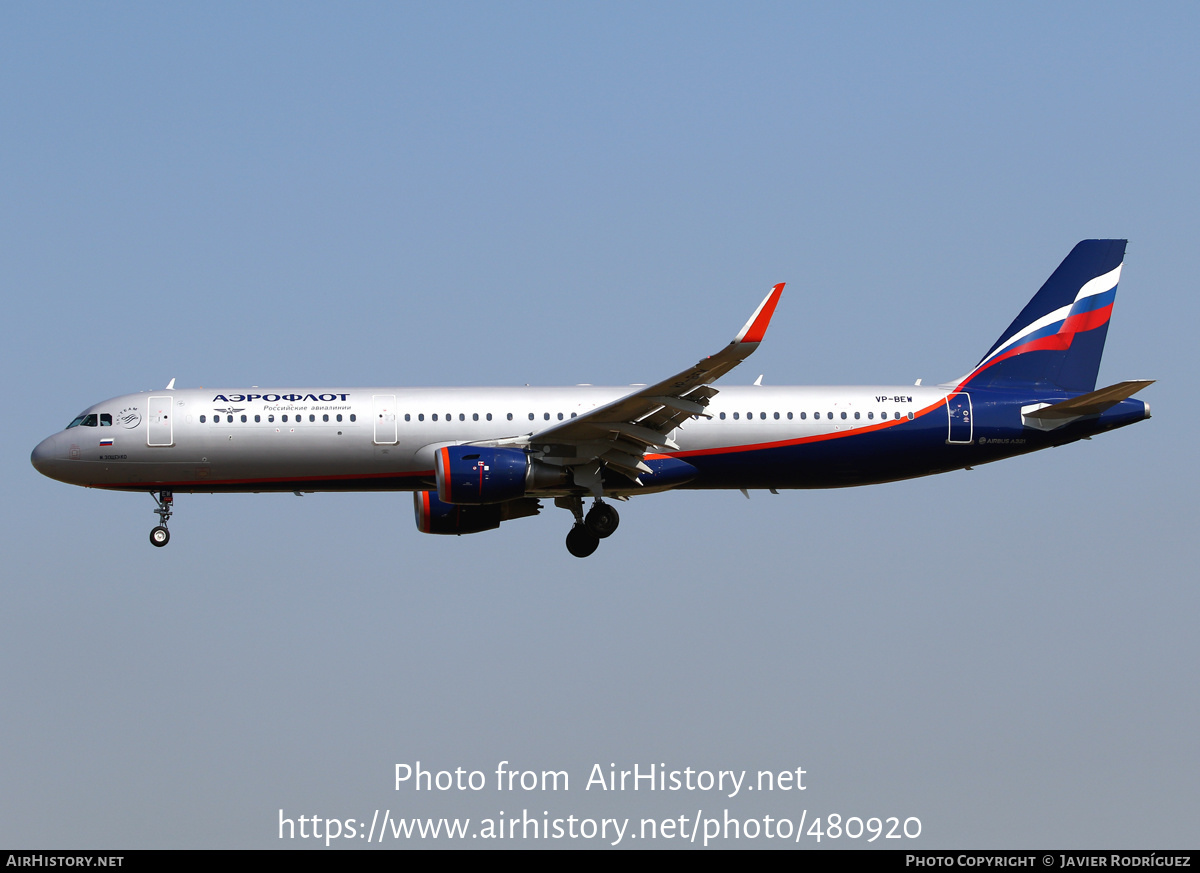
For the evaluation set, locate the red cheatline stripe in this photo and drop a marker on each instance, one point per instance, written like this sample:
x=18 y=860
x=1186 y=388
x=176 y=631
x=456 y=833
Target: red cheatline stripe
x=815 y=438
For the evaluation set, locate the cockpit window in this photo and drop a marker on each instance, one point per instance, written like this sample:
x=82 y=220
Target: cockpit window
x=105 y=419
x=85 y=421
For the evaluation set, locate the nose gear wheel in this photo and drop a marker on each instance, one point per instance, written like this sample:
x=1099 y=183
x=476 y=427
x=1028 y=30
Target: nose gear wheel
x=165 y=501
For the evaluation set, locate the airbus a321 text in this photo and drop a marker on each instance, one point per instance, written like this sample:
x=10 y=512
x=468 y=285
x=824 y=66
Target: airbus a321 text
x=476 y=457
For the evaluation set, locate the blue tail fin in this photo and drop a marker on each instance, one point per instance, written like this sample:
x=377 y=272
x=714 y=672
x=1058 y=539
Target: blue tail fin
x=1057 y=340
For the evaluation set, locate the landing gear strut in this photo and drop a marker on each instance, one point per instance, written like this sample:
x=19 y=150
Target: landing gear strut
x=160 y=536
x=585 y=535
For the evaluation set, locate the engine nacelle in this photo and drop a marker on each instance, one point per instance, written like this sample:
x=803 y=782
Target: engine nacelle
x=475 y=475
x=437 y=517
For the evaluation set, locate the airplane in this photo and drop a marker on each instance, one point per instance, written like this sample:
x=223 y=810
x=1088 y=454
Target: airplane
x=477 y=457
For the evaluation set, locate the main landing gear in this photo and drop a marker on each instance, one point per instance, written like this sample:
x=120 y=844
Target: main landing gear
x=160 y=536
x=601 y=522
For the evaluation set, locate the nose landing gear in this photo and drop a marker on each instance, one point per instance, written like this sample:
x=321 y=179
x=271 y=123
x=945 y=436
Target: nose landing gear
x=160 y=536
x=585 y=535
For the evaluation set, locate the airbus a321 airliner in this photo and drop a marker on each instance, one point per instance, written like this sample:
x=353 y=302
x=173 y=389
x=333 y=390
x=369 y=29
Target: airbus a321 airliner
x=476 y=457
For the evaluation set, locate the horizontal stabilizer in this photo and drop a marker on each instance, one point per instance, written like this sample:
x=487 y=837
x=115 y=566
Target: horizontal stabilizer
x=1092 y=403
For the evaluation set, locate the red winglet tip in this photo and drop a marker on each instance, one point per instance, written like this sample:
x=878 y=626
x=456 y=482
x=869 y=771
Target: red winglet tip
x=756 y=328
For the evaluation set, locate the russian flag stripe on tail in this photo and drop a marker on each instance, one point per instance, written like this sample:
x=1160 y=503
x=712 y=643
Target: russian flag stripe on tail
x=1057 y=340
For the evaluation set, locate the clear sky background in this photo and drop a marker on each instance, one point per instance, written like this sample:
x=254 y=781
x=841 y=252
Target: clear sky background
x=333 y=195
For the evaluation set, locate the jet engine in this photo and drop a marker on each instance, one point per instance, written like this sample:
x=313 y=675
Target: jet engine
x=437 y=517
x=477 y=475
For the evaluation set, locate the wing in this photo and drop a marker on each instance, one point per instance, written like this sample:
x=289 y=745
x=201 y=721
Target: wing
x=620 y=433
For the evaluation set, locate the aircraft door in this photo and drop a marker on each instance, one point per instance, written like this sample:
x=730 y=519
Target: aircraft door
x=958 y=408
x=159 y=423
x=385 y=419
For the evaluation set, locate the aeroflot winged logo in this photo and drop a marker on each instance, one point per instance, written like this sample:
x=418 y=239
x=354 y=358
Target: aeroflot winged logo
x=275 y=398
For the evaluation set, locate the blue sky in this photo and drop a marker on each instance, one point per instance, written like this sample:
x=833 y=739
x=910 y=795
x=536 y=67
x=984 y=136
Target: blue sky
x=310 y=194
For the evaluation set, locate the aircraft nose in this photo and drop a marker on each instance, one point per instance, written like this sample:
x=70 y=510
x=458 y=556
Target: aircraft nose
x=45 y=455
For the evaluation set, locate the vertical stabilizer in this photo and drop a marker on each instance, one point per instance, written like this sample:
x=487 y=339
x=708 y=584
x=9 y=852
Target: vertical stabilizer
x=1057 y=340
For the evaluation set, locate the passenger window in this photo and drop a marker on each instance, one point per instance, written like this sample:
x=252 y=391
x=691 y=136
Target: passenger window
x=560 y=416
x=911 y=416
x=763 y=416
x=270 y=418
x=284 y=418
x=572 y=415
x=777 y=416
x=546 y=415
x=843 y=416
x=421 y=417
x=474 y=416
x=829 y=415
x=531 y=416
x=325 y=417
x=229 y=419
x=353 y=417
x=406 y=416
x=202 y=419
x=434 y=416
x=735 y=416
x=510 y=416
x=870 y=415
x=790 y=416
x=857 y=416
x=312 y=417
x=462 y=417
x=489 y=416
x=722 y=416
